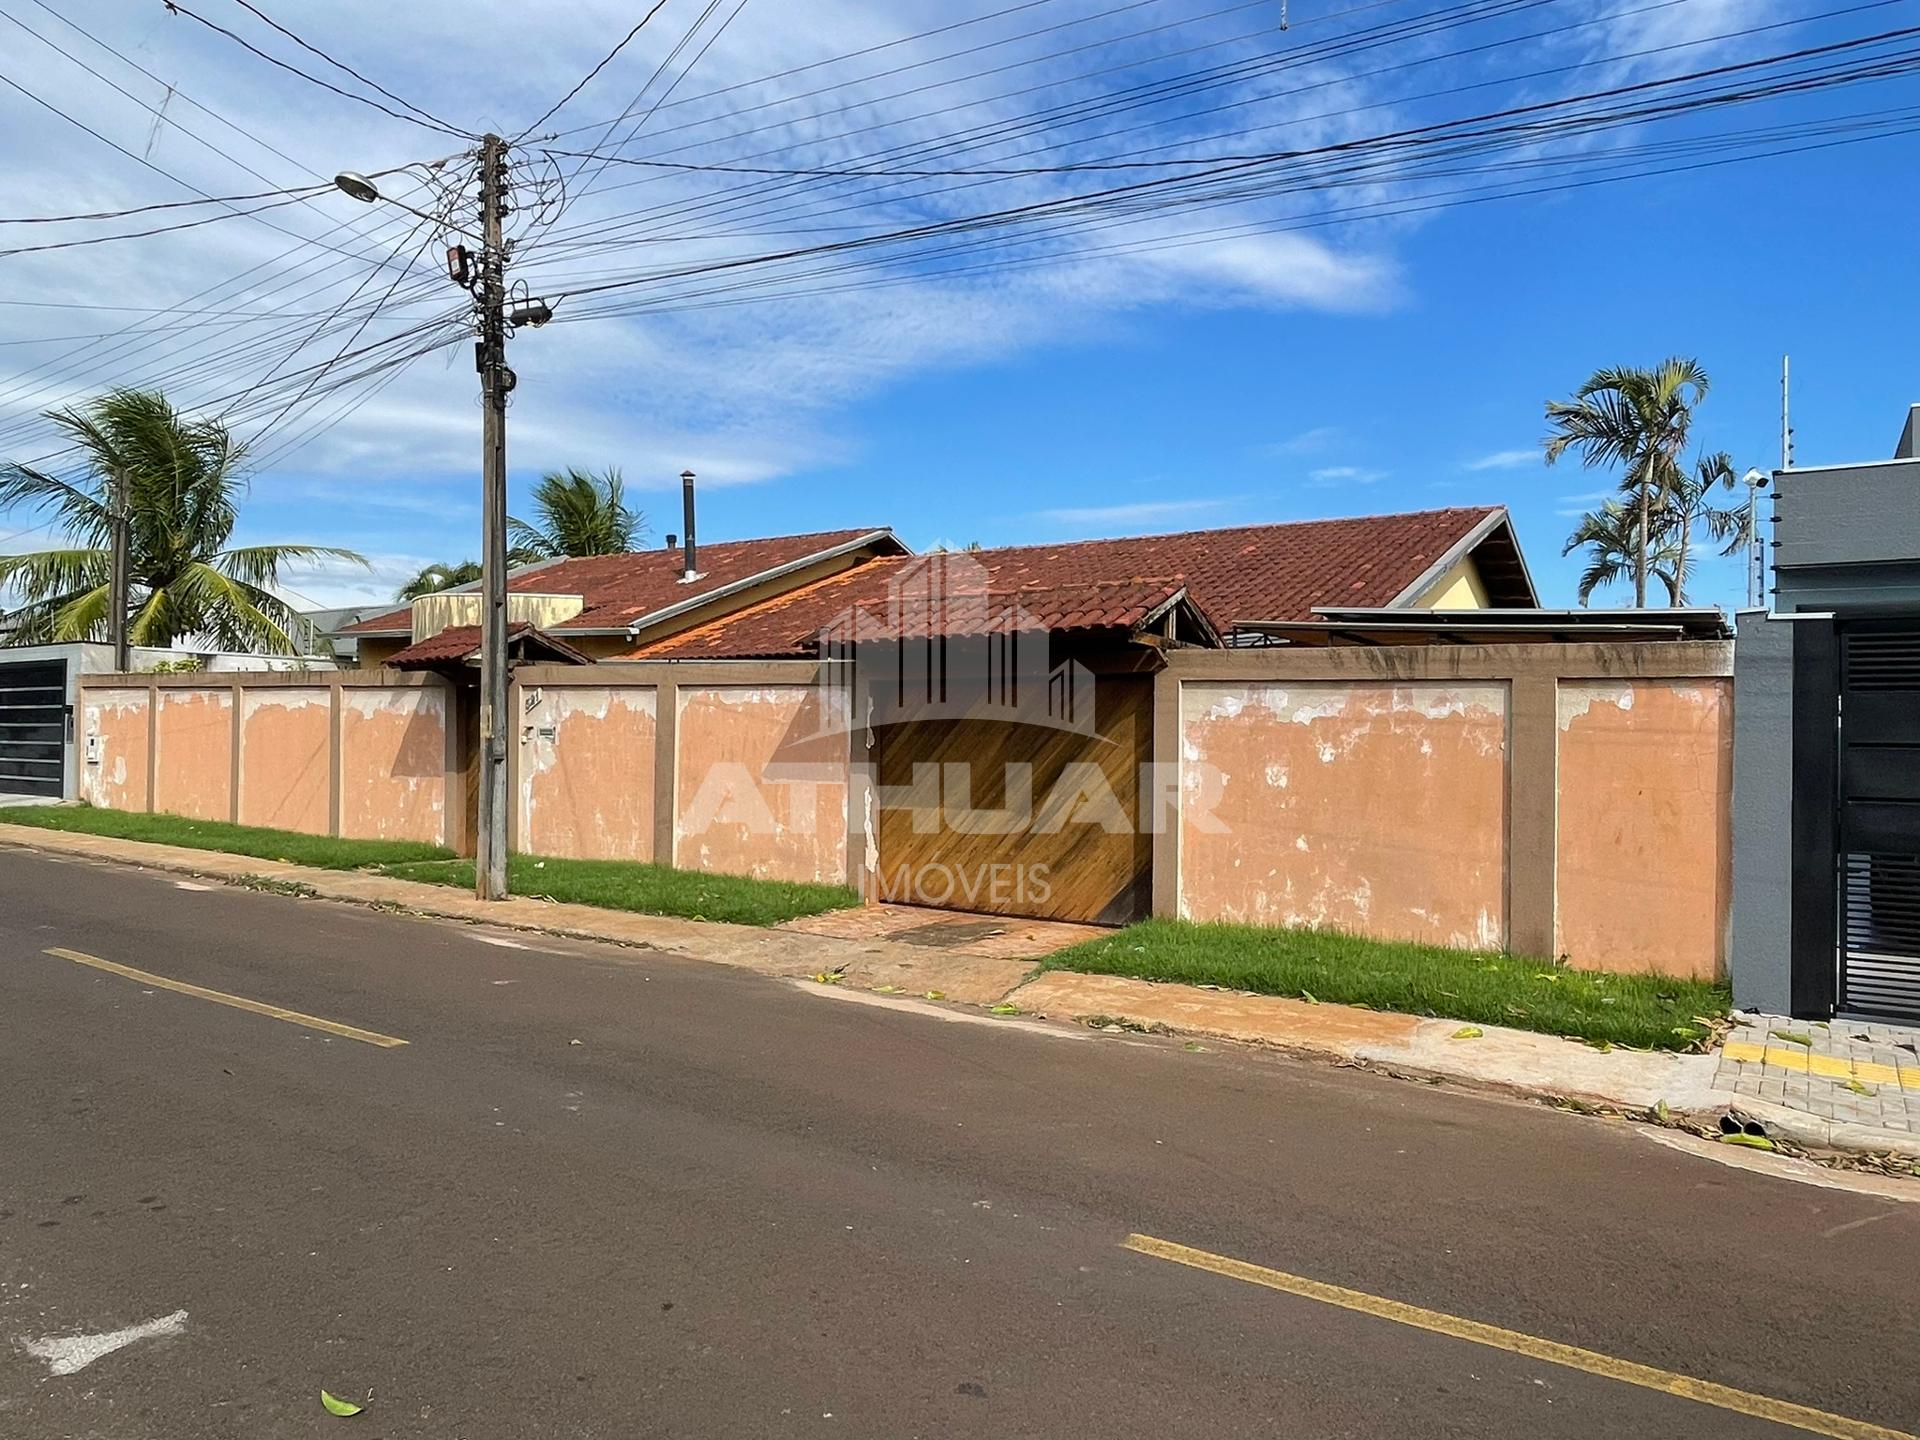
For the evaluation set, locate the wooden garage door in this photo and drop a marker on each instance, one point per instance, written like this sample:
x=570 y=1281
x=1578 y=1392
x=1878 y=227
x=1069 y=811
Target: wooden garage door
x=1077 y=849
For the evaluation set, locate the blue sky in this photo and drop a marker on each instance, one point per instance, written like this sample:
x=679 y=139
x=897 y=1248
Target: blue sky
x=1285 y=373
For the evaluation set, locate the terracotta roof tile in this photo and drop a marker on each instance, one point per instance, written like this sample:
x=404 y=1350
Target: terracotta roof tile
x=1254 y=572
x=462 y=642
x=619 y=589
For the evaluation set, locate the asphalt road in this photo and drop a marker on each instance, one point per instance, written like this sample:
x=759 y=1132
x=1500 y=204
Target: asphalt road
x=610 y=1193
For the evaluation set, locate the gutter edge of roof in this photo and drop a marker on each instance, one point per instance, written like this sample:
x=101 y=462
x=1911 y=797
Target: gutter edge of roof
x=655 y=617
x=1495 y=517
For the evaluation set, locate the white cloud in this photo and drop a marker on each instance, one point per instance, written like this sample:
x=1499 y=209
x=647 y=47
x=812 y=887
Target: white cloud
x=1505 y=460
x=1308 y=442
x=1346 y=475
x=741 y=394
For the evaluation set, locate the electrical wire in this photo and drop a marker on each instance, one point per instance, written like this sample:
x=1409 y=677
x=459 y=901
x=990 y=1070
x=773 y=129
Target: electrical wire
x=298 y=191
x=174 y=7
x=153 y=231
x=345 y=68
x=605 y=61
x=1325 y=116
x=1526 y=118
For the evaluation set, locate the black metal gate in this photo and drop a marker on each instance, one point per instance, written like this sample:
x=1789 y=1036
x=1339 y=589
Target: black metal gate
x=1879 y=820
x=33 y=728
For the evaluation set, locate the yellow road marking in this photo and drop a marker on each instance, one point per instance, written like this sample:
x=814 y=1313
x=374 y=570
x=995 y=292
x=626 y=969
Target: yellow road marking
x=1833 y=1067
x=1724 y=1397
x=238 y=1002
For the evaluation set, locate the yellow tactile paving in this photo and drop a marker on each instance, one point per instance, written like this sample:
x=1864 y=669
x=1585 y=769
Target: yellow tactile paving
x=1832 y=1067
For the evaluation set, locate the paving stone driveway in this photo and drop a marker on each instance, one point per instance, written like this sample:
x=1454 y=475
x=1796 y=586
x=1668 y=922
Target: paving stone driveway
x=1841 y=1071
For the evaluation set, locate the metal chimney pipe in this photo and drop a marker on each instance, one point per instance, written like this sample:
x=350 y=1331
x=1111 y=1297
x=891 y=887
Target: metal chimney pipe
x=686 y=505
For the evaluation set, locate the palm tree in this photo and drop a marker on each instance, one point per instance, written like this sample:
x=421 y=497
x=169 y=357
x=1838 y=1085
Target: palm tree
x=182 y=481
x=1689 y=503
x=439 y=576
x=580 y=513
x=1637 y=419
x=1611 y=535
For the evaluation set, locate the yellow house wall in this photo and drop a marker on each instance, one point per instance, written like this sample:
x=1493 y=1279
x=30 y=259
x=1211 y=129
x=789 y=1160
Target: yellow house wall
x=1461 y=588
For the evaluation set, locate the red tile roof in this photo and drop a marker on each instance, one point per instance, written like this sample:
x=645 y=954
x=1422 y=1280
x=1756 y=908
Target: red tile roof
x=1254 y=572
x=462 y=643
x=619 y=589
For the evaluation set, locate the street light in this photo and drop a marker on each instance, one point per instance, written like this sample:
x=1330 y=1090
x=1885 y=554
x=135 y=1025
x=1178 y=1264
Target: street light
x=352 y=182
x=490 y=306
x=357 y=186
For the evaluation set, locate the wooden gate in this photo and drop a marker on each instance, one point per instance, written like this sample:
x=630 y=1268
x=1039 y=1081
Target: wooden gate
x=1048 y=822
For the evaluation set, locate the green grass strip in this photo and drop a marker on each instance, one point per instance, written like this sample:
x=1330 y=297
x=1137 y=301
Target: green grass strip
x=646 y=889
x=321 y=851
x=1654 y=1012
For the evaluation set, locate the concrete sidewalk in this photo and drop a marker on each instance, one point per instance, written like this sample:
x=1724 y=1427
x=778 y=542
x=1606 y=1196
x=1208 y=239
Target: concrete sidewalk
x=1809 y=1094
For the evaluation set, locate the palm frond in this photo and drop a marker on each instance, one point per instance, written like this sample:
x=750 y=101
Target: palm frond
x=260 y=564
x=581 y=512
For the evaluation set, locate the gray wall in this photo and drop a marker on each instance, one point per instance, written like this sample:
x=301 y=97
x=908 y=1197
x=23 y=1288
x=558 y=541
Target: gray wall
x=1889 y=584
x=1762 y=812
x=1847 y=514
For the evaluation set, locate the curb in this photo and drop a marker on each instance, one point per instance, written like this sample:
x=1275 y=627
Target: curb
x=1666 y=1093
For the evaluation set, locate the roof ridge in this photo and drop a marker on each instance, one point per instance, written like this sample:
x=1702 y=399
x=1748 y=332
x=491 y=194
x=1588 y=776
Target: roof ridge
x=1479 y=510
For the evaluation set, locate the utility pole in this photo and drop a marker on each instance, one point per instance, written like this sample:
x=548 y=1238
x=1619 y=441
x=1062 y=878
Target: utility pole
x=490 y=853
x=1786 y=427
x=117 y=583
x=488 y=284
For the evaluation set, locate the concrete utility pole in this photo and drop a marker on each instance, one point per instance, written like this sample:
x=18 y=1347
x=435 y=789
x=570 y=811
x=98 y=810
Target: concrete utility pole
x=490 y=855
x=117 y=583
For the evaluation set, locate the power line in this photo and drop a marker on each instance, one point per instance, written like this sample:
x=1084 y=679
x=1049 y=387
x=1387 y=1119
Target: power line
x=172 y=90
x=1324 y=116
x=299 y=191
x=605 y=61
x=174 y=7
x=1152 y=92
x=832 y=60
x=1526 y=119
x=348 y=69
x=149 y=233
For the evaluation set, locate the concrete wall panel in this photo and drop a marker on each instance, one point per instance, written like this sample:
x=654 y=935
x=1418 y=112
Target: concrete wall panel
x=761 y=788
x=113 y=760
x=1645 y=824
x=193 y=760
x=393 y=764
x=586 y=772
x=285 y=754
x=1369 y=807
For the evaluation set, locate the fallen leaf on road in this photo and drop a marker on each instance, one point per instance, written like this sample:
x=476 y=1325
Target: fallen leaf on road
x=1467 y=1032
x=336 y=1406
x=1756 y=1142
x=1005 y=1009
x=1793 y=1037
x=1857 y=1088
x=936 y=994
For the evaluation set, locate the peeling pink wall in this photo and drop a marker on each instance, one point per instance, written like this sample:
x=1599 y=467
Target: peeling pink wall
x=113 y=771
x=393 y=764
x=193 y=754
x=759 y=791
x=285 y=740
x=1373 y=808
x=586 y=772
x=1645 y=824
